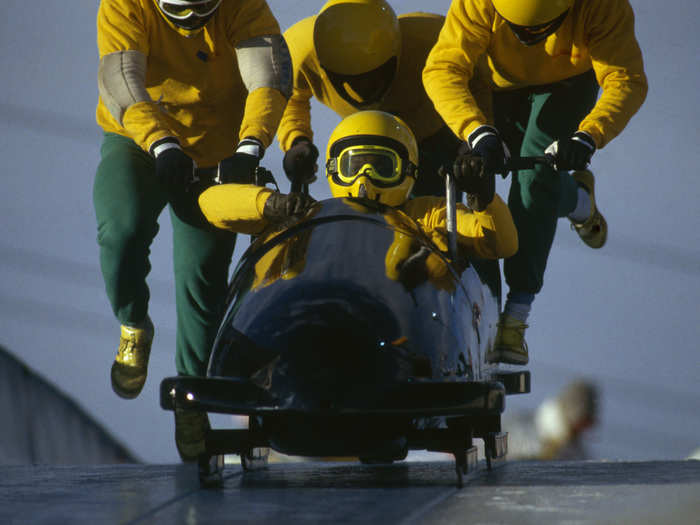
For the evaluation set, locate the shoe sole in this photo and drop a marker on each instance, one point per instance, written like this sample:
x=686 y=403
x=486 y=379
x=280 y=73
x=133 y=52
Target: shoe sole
x=121 y=391
x=604 y=238
x=125 y=394
x=586 y=179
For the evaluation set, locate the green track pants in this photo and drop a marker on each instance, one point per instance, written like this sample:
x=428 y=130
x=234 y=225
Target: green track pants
x=128 y=201
x=529 y=120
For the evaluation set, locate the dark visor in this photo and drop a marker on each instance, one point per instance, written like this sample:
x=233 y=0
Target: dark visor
x=531 y=35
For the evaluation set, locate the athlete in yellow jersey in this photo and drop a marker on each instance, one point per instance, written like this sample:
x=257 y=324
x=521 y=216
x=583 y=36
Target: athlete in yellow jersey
x=523 y=76
x=182 y=83
x=356 y=55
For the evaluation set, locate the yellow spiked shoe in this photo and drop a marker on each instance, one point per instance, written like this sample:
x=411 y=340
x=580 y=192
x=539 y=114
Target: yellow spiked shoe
x=191 y=427
x=510 y=346
x=594 y=230
x=131 y=364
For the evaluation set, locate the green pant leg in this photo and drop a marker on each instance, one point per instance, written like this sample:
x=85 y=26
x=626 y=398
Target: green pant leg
x=201 y=259
x=127 y=200
x=538 y=197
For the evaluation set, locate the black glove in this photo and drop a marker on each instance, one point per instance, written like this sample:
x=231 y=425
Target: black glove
x=573 y=153
x=174 y=168
x=300 y=161
x=175 y=171
x=240 y=167
x=279 y=206
x=485 y=143
x=471 y=178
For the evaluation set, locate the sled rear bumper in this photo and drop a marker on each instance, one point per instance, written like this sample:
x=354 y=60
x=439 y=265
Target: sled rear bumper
x=419 y=399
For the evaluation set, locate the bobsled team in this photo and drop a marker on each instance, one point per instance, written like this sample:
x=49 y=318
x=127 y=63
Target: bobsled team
x=204 y=86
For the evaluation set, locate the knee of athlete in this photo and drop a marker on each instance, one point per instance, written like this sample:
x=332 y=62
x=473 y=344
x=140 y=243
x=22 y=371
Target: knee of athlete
x=538 y=197
x=125 y=232
x=203 y=282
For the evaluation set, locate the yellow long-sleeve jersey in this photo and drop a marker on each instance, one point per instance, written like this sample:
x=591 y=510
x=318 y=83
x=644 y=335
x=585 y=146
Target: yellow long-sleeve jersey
x=477 y=45
x=487 y=234
x=406 y=97
x=196 y=91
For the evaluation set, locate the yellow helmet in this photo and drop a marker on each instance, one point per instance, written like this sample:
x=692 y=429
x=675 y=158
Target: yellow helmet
x=531 y=12
x=358 y=43
x=372 y=154
x=356 y=36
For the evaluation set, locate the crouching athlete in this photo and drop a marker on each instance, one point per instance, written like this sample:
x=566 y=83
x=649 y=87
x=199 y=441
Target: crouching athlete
x=182 y=84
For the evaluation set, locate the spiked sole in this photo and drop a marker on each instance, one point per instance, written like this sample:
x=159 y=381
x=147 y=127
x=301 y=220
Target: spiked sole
x=119 y=376
x=594 y=231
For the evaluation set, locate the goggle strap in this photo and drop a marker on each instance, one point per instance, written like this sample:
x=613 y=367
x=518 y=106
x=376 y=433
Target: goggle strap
x=332 y=165
x=409 y=169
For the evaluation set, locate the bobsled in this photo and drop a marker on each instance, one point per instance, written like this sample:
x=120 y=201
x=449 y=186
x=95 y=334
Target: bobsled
x=350 y=333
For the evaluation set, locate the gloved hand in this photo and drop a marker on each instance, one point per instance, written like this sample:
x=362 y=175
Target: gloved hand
x=240 y=167
x=485 y=143
x=175 y=171
x=573 y=153
x=174 y=168
x=300 y=161
x=471 y=178
x=280 y=207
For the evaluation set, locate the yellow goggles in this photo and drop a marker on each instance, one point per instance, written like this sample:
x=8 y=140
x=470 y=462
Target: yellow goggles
x=182 y=9
x=382 y=165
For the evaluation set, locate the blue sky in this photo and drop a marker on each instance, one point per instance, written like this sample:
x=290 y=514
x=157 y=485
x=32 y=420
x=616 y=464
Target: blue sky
x=626 y=316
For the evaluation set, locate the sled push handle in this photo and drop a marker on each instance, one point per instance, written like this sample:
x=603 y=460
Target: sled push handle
x=298 y=176
x=513 y=164
x=527 y=163
x=451 y=198
x=298 y=186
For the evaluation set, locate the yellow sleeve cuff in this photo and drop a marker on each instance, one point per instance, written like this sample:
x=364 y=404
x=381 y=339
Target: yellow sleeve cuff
x=146 y=123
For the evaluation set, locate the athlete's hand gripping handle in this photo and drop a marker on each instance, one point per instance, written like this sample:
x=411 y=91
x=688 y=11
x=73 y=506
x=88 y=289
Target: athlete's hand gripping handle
x=240 y=167
x=280 y=207
x=486 y=145
x=174 y=168
x=300 y=163
x=472 y=178
x=573 y=153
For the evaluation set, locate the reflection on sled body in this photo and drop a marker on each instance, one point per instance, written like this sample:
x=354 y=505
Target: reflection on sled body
x=350 y=333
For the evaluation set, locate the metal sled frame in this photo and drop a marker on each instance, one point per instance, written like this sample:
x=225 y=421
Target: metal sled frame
x=472 y=410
